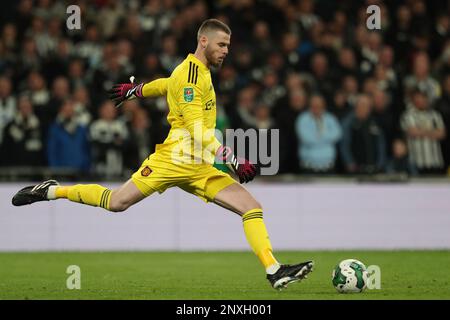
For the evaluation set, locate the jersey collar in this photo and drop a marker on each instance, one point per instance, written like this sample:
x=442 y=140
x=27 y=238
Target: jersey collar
x=197 y=61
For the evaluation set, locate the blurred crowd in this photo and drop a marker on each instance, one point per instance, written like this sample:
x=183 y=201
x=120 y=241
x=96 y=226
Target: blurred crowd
x=346 y=99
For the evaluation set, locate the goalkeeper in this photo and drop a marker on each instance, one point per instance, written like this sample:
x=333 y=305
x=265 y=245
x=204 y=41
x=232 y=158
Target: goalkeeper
x=185 y=159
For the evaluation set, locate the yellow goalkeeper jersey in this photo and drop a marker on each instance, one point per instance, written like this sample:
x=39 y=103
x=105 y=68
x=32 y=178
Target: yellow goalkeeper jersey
x=192 y=115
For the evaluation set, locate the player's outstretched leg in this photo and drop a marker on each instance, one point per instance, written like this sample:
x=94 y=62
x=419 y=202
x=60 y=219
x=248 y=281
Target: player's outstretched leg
x=290 y=273
x=89 y=194
x=237 y=199
x=31 y=194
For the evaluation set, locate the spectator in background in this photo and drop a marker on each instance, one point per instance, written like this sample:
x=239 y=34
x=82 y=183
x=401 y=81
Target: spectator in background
x=424 y=129
x=386 y=62
x=22 y=140
x=443 y=107
x=129 y=109
x=318 y=132
x=275 y=62
x=400 y=161
x=109 y=17
x=347 y=64
x=151 y=68
x=350 y=88
x=306 y=15
x=29 y=59
x=263 y=119
x=38 y=31
x=7 y=61
x=139 y=141
x=7 y=104
x=24 y=15
x=60 y=92
x=272 y=90
x=242 y=115
x=340 y=106
x=132 y=31
x=227 y=84
x=244 y=62
x=363 y=145
x=36 y=88
x=382 y=79
x=82 y=103
x=384 y=117
x=9 y=38
x=109 y=137
x=262 y=41
x=55 y=27
x=125 y=56
x=420 y=21
x=443 y=62
x=110 y=71
x=67 y=144
x=369 y=86
x=290 y=43
x=57 y=62
x=286 y=112
x=169 y=57
x=77 y=74
x=369 y=51
x=399 y=35
x=323 y=82
x=90 y=48
x=421 y=79
x=441 y=34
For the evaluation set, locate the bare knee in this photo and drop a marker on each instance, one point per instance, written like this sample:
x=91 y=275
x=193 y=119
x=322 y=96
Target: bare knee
x=251 y=205
x=117 y=204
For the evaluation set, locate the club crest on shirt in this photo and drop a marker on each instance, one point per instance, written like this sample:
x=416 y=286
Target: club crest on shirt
x=188 y=94
x=146 y=171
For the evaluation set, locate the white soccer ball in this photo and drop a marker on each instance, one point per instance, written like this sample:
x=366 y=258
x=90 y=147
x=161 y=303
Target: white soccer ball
x=350 y=276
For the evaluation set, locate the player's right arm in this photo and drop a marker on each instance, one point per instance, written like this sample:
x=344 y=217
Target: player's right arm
x=127 y=91
x=155 y=88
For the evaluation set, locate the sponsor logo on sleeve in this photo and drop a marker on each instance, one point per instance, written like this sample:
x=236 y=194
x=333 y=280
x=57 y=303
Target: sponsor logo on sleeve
x=188 y=94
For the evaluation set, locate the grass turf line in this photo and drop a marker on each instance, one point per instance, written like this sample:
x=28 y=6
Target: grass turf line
x=214 y=275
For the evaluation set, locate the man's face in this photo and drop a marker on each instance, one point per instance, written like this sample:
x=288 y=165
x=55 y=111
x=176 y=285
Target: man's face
x=420 y=101
x=67 y=110
x=362 y=108
x=317 y=106
x=217 y=47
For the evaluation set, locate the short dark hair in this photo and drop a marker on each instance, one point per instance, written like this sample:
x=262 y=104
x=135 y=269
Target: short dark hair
x=212 y=24
x=417 y=91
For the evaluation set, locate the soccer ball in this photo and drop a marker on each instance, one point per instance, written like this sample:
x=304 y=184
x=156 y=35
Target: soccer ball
x=350 y=275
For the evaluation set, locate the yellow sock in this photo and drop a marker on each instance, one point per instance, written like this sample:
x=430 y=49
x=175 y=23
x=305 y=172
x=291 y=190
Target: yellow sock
x=258 y=238
x=90 y=194
x=61 y=192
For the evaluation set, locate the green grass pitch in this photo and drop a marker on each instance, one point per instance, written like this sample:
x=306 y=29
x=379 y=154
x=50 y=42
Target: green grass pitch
x=214 y=275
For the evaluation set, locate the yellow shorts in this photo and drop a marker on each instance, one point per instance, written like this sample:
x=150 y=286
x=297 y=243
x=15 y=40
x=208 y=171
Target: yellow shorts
x=202 y=180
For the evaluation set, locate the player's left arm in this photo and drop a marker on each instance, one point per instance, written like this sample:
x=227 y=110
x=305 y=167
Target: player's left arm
x=127 y=91
x=191 y=107
x=189 y=100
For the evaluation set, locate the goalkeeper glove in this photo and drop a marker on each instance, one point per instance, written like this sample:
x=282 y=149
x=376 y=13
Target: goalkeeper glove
x=243 y=168
x=121 y=92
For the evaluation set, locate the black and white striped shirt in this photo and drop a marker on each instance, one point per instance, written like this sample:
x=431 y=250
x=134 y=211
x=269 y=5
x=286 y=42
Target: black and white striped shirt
x=425 y=152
